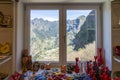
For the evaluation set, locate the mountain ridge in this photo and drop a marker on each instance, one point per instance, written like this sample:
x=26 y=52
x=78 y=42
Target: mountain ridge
x=77 y=33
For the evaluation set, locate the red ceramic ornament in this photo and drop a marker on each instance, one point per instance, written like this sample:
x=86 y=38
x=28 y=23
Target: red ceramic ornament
x=77 y=66
x=100 y=59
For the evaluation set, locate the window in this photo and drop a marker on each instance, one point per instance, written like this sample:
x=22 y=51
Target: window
x=59 y=33
x=44 y=35
x=80 y=32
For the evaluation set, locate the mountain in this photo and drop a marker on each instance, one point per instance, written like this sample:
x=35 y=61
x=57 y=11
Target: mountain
x=75 y=25
x=44 y=28
x=87 y=32
x=46 y=32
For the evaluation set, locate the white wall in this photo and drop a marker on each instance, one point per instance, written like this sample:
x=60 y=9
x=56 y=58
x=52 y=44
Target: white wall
x=107 y=33
x=19 y=35
x=62 y=1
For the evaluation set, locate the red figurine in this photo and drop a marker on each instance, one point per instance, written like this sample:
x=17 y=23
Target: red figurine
x=100 y=58
x=15 y=76
x=117 y=78
x=77 y=66
x=105 y=76
x=95 y=57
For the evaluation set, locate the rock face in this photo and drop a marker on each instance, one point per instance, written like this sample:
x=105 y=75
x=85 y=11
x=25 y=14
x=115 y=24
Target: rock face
x=87 y=32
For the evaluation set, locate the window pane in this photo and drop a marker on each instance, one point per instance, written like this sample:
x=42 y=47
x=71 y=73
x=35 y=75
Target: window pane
x=80 y=33
x=44 y=35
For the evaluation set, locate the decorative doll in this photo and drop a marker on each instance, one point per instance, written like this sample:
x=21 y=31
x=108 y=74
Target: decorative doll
x=26 y=60
x=70 y=68
x=47 y=66
x=29 y=63
x=25 y=53
x=63 y=68
x=42 y=66
x=24 y=63
x=36 y=66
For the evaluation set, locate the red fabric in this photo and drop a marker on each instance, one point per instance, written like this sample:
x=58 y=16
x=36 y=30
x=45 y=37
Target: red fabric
x=15 y=76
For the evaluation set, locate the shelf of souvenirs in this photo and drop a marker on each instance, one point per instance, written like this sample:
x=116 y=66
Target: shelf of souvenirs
x=116 y=27
x=6 y=1
x=116 y=58
x=4 y=76
x=116 y=2
x=6 y=28
x=5 y=58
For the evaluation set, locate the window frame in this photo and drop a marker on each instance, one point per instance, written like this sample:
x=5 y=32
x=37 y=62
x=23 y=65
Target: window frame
x=62 y=25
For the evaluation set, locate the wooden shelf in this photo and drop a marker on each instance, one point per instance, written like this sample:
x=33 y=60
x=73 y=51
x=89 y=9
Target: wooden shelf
x=116 y=29
x=6 y=1
x=6 y=31
x=116 y=58
x=7 y=78
x=7 y=7
x=4 y=28
x=4 y=59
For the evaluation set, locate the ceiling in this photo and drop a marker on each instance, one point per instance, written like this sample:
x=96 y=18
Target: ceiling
x=59 y=1
x=63 y=1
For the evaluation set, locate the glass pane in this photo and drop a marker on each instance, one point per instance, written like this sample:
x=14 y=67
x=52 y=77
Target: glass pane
x=44 y=35
x=80 y=33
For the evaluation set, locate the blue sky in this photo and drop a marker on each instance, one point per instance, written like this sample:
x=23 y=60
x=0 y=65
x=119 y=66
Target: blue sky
x=52 y=15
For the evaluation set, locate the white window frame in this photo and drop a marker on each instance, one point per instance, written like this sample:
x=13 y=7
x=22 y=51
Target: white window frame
x=62 y=31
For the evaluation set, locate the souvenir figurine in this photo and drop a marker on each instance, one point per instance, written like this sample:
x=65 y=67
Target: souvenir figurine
x=25 y=53
x=15 y=76
x=63 y=68
x=117 y=50
x=42 y=66
x=1 y=18
x=26 y=60
x=24 y=63
x=70 y=69
x=100 y=58
x=77 y=65
x=47 y=66
x=40 y=77
x=29 y=63
x=5 y=48
x=36 y=66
